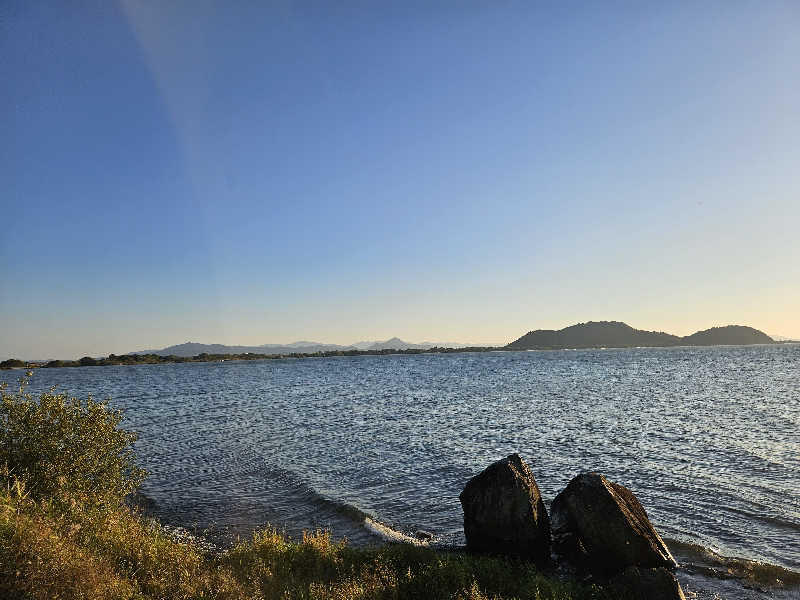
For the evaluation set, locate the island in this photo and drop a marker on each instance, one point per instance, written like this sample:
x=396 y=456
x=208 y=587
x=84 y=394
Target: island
x=615 y=334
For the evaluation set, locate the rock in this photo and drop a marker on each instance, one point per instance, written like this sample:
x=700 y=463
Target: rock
x=600 y=526
x=636 y=583
x=504 y=512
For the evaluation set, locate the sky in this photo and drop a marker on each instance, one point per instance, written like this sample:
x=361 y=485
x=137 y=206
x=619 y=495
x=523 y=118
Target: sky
x=252 y=173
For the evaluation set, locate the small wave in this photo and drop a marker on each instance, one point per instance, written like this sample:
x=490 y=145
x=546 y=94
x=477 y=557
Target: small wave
x=695 y=558
x=775 y=521
x=324 y=505
x=299 y=490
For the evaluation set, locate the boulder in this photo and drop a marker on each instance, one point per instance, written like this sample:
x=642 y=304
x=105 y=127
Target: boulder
x=504 y=512
x=602 y=527
x=636 y=583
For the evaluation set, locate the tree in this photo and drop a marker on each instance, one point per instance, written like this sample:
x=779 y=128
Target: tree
x=60 y=446
x=11 y=363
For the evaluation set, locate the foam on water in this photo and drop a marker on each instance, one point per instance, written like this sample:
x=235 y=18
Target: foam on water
x=390 y=535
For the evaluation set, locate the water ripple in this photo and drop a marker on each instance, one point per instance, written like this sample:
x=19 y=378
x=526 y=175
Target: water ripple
x=706 y=437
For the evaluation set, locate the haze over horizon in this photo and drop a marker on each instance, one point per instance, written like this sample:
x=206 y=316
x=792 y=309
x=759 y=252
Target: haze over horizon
x=469 y=173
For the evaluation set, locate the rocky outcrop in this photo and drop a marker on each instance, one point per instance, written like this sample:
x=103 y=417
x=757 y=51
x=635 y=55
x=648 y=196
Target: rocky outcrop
x=504 y=512
x=635 y=583
x=601 y=527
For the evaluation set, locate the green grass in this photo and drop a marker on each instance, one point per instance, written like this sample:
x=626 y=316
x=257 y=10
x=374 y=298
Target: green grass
x=67 y=534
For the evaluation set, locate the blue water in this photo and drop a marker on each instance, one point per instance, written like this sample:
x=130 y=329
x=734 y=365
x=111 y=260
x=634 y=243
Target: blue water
x=708 y=438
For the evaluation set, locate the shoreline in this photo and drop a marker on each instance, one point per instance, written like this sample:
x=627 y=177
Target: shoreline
x=695 y=560
x=113 y=360
x=701 y=570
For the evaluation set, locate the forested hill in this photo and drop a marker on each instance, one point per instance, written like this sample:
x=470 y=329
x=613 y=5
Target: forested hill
x=614 y=334
x=730 y=335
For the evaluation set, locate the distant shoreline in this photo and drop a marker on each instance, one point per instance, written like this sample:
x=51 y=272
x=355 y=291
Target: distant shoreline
x=156 y=359
x=153 y=359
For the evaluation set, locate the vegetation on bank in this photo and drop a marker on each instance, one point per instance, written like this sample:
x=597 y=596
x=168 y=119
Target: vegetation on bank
x=65 y=532
x=12 y=363
x=150 y=359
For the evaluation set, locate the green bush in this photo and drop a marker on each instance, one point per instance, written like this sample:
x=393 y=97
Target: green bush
x=11 y=363
x=60 y=446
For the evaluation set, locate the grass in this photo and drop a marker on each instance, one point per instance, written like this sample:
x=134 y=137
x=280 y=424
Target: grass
x=66 y=533
x=50 y=550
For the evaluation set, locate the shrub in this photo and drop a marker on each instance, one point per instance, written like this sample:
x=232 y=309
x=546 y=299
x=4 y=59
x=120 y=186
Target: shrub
x=59 y=446
x=11 y=363
x=100 y=553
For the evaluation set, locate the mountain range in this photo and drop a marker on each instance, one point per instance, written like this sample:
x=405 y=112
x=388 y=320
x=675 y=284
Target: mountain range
x=614 y=334
x=594 y=334
x=301 y=347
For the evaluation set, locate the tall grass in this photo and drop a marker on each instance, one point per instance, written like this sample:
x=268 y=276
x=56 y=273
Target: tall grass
x=67 y=539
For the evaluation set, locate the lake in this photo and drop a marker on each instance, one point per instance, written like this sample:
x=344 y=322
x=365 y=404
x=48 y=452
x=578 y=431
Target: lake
x=380 y=446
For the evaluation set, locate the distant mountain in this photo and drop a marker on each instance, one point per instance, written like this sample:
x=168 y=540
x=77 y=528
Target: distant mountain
x=396 y=343
x=302 y=347
x=731 y=335
x=363 y=345
x=193 y=349
x=308 y=347
x=614 y=334
x=607 y=334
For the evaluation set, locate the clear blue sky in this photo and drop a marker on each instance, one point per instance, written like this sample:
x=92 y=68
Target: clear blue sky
x=252 y=173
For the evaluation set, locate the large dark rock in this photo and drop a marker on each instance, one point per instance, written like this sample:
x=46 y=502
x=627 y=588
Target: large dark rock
x=635 y=583
x=602 y=527
x=504 y=512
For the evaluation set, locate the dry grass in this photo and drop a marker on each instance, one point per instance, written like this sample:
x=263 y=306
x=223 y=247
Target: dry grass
x=83 y=551
x=50 y=551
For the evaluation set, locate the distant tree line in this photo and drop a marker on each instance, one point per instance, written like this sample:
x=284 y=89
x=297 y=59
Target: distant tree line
x=12 y=363
x=150 y=359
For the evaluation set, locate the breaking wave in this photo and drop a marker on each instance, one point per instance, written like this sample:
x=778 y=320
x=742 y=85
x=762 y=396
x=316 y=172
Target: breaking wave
x=335 y=512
